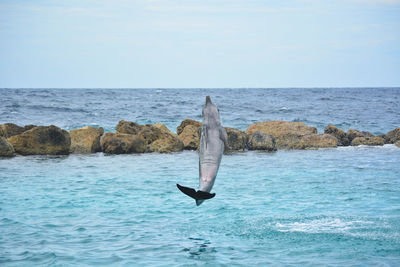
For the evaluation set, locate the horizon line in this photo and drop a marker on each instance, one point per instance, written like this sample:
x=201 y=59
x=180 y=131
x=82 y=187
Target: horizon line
x=235 y=88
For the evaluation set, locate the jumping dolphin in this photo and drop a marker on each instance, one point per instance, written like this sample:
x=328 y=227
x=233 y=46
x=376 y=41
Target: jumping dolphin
x=212 y=141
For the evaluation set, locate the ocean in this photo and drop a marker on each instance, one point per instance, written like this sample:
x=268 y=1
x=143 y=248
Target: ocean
x=330 y=207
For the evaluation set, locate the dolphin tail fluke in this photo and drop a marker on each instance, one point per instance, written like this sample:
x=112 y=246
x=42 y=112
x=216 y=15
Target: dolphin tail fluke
x=199 y=196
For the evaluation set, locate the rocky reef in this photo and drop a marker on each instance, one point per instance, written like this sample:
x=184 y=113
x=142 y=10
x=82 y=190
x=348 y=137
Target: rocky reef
x=131 y=137
x=42 y=140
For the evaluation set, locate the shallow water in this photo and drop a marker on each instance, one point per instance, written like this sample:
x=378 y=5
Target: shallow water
x=329 y=207
x=326 y=207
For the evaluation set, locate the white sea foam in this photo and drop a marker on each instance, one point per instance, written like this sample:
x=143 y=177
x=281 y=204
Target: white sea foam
x=364 y=147
x=326 y=225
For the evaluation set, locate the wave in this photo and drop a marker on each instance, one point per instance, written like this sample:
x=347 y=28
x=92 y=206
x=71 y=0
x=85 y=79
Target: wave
x=57 y=109
x=391 y=147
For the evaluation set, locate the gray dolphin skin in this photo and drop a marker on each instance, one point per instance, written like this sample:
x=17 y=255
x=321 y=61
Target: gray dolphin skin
x=212 y=141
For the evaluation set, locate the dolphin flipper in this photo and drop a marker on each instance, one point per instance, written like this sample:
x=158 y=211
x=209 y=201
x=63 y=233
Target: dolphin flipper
x=199 y=195
x=223 y=136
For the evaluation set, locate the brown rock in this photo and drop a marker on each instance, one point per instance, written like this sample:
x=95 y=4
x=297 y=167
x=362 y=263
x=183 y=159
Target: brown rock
x=353 y=134
x=6 y=149
x=42 y=140
x=86 y=140
x=397 y=143
x=128 y=127
x=393 y=136
x=338 y=133
x=10 y=129
x=158 y=137
x=150 y=133
x=164 y=141
x=315 y=141
x=190 y=137
x=369 y=141
x=261 y=141
x=237 y=139
x=120 y=143
x=185 y=123
x=287 y=134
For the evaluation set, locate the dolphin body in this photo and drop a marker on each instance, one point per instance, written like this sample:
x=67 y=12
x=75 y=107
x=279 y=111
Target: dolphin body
x=212 y=141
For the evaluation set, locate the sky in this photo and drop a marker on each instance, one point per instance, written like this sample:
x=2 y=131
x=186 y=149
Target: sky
x=199 y=43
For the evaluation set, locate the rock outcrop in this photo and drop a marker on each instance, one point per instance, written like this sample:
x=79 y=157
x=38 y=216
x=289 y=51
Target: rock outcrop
x=158 y=137
x=237 y=139
x=128 y=127
x=121 y=143
x=368 y=141
x=397 y=143
x=189 y=133
x=341 y=135
x=166 y=141
x=315 y=141
x=6 y=149
x=352 y=134
x=261 y=141
x=287 y=134
x=392 y=136
x=8 y=130
x=42 y=140
x=86 y=140
x=186 y=123
x=190 y=136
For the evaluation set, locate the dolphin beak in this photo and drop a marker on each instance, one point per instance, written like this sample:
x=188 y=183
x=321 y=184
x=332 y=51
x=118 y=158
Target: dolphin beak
x=208 y=100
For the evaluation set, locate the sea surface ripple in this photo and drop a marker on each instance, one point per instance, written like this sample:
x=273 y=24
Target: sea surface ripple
x=330 y=207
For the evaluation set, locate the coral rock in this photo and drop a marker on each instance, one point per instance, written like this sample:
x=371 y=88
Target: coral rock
x=369 y=141
x=120 y=143
x=86 y=140
x=338 y=133
x=261 y=141
x=287 y=134
x=237 y=139
x=315 y=141
x=6 y=149
x=42 y=140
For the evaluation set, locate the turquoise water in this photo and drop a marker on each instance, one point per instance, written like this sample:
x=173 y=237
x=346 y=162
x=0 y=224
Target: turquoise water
x=326 y=207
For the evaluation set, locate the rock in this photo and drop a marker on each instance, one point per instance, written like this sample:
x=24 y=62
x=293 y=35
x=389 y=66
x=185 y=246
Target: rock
x=397 y=143
x=338 y=133
x=367 y=134
x=128 y=127
x=10 y=129
x=369 y=141
x=164 y=141
x=393 y=136
x=237 y=139
x=261 y=141
x=189 y=133
x=42 y=140
x=120 y=143
x=185 y=123
x=287 y=134
x=351 y=134
x=190 y=137
x=6 y=149
x=86 y=140
x=315 y=141
x=157 y=137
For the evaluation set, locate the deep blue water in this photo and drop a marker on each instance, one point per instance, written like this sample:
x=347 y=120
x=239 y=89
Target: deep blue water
x=371 y=109
x=326 y=207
